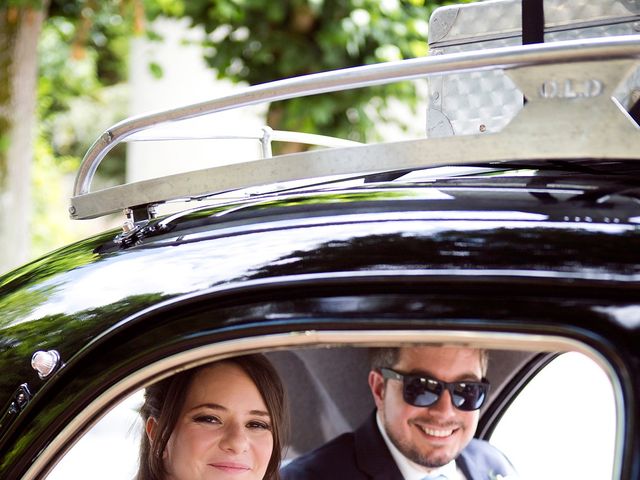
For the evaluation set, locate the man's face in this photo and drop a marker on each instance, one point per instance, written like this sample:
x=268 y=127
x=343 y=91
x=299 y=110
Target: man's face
x=429 y=436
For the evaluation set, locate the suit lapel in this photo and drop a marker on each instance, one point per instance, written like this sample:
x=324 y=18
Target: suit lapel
x=372 y=455
x=468 y=467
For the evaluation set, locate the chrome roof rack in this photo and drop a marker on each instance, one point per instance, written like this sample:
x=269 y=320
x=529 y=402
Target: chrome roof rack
x=570 y=113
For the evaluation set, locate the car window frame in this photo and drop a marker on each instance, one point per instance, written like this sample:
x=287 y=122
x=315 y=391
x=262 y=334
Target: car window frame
x=188 y=359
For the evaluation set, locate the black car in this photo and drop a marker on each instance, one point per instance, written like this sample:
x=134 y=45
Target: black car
x=525 y=242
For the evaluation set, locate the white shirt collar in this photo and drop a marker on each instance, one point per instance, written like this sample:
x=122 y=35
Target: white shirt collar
x=411 y=470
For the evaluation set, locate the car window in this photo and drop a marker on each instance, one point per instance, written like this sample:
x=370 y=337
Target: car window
x=562 y=424
x=564 y=415
x=117 y=433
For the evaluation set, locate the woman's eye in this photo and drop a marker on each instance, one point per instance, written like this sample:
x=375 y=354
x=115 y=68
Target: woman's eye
x=206 y=419
x=259 y=425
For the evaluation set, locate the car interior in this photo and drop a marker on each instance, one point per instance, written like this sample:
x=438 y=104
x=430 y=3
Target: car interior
x=328 y=395
x=327 y=387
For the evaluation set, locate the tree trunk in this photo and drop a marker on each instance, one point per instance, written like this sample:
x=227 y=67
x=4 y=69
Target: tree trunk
x=19 y=31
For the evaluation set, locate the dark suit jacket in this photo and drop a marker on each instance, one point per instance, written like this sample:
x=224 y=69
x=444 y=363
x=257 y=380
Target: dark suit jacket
x=364 y=455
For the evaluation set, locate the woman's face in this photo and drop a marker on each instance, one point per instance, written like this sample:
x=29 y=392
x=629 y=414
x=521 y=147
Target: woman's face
x=224 y=429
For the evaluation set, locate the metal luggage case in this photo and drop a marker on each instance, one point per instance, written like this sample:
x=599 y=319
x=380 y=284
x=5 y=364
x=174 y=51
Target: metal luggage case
x=471 y=103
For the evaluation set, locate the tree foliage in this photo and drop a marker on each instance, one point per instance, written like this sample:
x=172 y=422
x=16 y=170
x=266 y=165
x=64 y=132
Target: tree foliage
x=262 y=40
x=83 y=58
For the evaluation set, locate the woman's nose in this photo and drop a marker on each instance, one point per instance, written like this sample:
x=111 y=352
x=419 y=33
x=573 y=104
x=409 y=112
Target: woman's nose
x=234 y=438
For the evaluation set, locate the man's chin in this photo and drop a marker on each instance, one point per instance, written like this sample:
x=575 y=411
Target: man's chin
x=431 y=462
x=427 y=459
x=438 y=452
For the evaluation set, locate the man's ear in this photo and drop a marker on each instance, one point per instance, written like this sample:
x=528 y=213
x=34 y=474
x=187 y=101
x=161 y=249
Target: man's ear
x=376 y=384
x=150 y=428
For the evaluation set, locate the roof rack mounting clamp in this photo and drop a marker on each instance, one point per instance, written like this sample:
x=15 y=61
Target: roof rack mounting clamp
x=137 y=217
x=140 y=213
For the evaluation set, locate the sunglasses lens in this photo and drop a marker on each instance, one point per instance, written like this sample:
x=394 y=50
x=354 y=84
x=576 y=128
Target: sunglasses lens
x=469 y=397
x=421 y=392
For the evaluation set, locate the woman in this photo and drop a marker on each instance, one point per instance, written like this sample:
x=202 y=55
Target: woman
x=223 y=420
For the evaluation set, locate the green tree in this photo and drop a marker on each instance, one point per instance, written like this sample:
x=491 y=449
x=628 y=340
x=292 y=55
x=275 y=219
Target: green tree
x=82 y=45
x=82 y=90
x=257 y=41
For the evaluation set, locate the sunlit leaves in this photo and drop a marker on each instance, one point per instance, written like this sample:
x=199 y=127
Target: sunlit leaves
x=155 y=69
x=262 y=40
x=83 y=55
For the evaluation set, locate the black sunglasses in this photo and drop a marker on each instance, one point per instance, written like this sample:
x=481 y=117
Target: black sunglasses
x=421 y=391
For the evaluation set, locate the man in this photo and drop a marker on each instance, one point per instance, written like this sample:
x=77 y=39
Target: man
x=427 y=401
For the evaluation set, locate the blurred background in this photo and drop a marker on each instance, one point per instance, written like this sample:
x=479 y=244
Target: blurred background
x=69 y=69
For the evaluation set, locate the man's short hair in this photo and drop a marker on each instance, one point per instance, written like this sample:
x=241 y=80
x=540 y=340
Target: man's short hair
x=383 y=357
x=387 y=357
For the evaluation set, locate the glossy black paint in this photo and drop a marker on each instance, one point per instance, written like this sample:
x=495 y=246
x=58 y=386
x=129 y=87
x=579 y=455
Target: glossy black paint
x=78 y=309
x=499 y=254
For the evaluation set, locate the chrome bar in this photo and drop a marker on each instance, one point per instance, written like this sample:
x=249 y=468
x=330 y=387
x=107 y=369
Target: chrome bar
x=250 y=134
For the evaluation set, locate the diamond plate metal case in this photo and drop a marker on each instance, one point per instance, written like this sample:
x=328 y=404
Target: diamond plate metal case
x=485 y=102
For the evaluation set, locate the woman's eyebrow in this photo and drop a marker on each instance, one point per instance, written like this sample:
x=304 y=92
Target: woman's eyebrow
x=260 y=413
x=212 y=406
x=217 y=406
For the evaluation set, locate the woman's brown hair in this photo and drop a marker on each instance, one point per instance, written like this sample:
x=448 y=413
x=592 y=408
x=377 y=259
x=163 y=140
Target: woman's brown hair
x=163 y=401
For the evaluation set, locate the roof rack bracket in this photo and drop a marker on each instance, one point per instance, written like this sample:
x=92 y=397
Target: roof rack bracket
x=577 y=97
